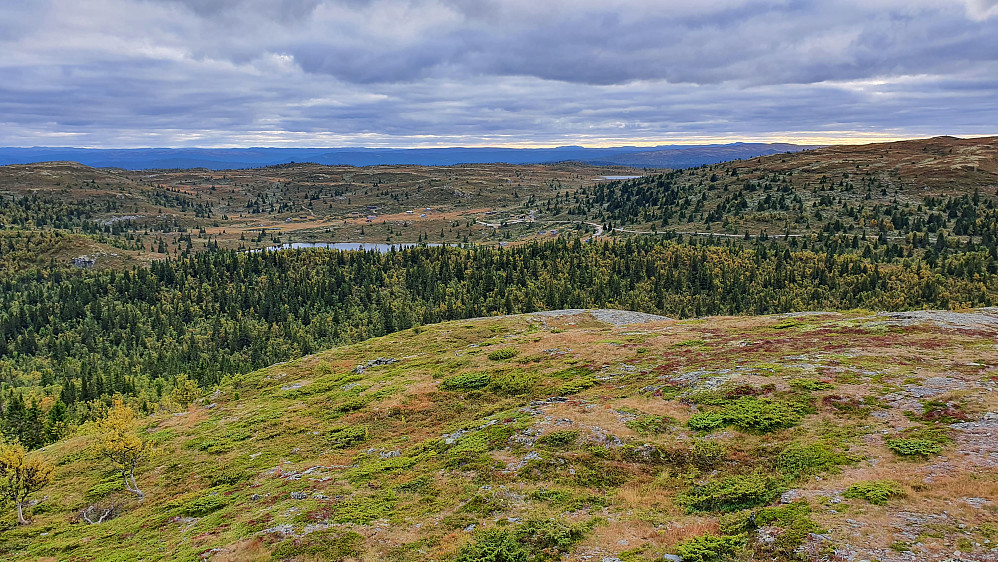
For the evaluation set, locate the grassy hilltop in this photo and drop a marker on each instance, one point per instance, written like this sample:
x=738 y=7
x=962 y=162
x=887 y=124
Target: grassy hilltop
x=584 y=434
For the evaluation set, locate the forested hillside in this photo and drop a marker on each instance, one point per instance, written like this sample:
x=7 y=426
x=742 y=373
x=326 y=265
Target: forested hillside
x=910 y=190
x=77 y=336
x=152 y=295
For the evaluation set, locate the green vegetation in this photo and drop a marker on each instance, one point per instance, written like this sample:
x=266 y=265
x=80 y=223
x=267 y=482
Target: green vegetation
x=751 y=414
x=811 y=384
x=710 y=548
x=798 y=461
x=466 y=381
x=533 y=540
x=504 y=353
x=876 y=492
x=914 y=447
x=85 y=335
x=730 y=493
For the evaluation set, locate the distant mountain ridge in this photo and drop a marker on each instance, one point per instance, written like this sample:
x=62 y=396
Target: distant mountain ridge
x=665 y=156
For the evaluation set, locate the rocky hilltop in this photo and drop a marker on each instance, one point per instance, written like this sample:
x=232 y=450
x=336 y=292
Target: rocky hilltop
x=576 y=435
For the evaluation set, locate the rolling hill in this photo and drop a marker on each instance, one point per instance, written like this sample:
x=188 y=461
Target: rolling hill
x=580 y=434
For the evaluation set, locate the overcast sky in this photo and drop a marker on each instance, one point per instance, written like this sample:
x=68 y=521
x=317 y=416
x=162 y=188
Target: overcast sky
x=403 y=73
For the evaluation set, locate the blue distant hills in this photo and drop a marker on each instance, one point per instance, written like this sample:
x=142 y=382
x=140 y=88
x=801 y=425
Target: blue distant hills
x=666 y=156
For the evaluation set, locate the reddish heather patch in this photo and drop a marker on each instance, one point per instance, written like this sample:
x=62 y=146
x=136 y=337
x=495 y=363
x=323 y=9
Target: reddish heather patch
x=868 y=341
x=844 y=404
x=931 y=343
x=768 y=346
x=749 y=390
x=321 y=515
x=948 y=412
x=261 y=522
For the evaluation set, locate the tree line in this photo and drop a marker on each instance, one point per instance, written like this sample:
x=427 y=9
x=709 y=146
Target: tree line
x=73 y=337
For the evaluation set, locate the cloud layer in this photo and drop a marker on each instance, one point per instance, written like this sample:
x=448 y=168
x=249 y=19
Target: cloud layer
x=125 y=73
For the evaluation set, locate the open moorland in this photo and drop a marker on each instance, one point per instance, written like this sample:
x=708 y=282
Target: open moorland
x=575 y=435
x=123 y=217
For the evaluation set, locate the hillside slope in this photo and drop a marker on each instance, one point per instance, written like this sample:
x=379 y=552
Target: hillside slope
x=890 y=190
x=903 y=192
x=820 y=435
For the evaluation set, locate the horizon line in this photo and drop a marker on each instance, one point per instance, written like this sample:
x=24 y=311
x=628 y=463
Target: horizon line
x=799 y=140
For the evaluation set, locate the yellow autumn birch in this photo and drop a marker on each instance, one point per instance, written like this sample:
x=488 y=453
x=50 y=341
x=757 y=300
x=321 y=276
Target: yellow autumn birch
x=117 y=442
x=21 y=475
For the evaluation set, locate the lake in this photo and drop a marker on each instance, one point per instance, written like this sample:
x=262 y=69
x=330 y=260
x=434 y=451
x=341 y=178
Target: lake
x=347 y=246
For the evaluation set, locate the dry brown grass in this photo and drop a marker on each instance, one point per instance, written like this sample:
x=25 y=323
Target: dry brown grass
x=620 y=535
x=643 y=494
x=656 y=406
x=683 y=529
x=245 y=550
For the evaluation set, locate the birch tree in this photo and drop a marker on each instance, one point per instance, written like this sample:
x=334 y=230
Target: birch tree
x=118 y=443
x=20 y=476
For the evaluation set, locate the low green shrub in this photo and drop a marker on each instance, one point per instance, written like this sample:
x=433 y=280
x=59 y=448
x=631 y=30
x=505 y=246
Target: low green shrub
x=706 y=453
x=209 y=445
x=227 y=475
x=595 y=473
x=559 y=439
x=504 y=353
x=706 y=421
x=548 y=539
x=576 y=386
x=364 y=510
x=762 y=414
x=498 y=544
x=351 y=405
x=466 y=381
x=513 y=382
x=650 y=425
x=710 y=548
x=327 y=544
x=798 y=460
x=876 y=492
x=794 y=521
x=751 y=414
x=376 y=466
x=343 y=436
x=736 y=522
x=907 y=447
x=535 y=539
x=102 y=489
x=200 y=505
x=730 y=494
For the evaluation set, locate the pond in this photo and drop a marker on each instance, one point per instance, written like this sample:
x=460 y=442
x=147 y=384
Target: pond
x=347 y=246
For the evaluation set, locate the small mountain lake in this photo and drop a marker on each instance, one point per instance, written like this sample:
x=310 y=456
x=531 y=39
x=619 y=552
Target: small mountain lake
x=347 y=246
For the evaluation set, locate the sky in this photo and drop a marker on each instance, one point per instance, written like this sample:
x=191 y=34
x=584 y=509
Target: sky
x=429 y=73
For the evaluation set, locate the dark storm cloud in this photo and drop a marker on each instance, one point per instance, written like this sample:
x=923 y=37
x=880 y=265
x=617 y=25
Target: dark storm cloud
x=406 y=72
